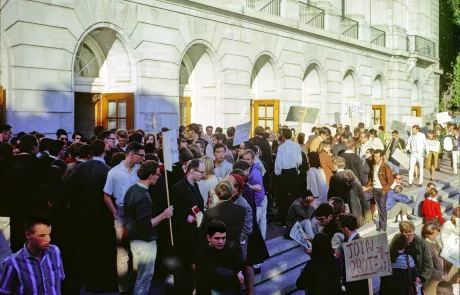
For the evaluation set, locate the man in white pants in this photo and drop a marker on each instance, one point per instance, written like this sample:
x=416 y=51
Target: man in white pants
x=456 y=150
x=417 y=145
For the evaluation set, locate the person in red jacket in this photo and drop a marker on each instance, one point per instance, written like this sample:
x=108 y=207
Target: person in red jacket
x=431 y=208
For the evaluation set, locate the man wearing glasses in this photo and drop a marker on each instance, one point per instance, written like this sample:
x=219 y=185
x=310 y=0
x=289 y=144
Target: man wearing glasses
x=110 y=149
x=418 y=249
x=186 y=198
x=141 y=225
x=119 y=180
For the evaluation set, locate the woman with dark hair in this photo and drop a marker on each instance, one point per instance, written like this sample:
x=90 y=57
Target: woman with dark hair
x=325 y=158
x=338 y=206
x=323 y=272
x=359 y=207
x=316 y=180
x=430 y=232
x=404 y=270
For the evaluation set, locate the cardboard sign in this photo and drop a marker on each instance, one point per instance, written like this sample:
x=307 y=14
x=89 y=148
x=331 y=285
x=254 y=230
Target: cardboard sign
x=150 y=121
x=412 y=121
x=242 y=133
x=433 y=146
x=443 y=118
x=356 y=108
x=337 y=118
x=402 y=158
x=398 y=125
x=451 y=251
x=295 y=114
x=367 y=258
x=170 y=149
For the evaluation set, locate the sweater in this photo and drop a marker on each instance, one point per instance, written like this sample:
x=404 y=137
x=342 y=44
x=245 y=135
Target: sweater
x=432 y=209
x=393 y=198
x=138 y=214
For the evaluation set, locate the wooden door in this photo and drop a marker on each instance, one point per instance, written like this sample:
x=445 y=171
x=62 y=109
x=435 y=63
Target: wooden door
x=379 y=115
x=265 y=113
x=118 y=110
x=416 y=111
x=185 y=110
x=2 y=106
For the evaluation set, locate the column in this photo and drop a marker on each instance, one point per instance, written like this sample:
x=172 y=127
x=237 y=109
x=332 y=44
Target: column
x=359 y=10
x=331 y=13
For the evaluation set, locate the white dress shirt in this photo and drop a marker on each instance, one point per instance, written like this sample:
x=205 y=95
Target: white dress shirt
x=376 y=144
x=288 y=156
x=417 y=143
x=119 y=180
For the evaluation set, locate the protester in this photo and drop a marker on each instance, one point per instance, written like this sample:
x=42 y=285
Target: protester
x=404 y=270
x=397 y=203
x=326 y=221
x=322 y=136
x=301 y=211
x=421 y=197
x=432 y=157
x=219 y=137
x=430 y=232
x=397 y=180
x=316 y=180
x=260 y=141
x=444 y=288
x=222 y=166
x=395 y=143
x=122 y=139
x=456 y=150
x=208 y=183
x=353 y=161
x=323 y=272
x=417 y=145
x=431 y=208
x=324 y=151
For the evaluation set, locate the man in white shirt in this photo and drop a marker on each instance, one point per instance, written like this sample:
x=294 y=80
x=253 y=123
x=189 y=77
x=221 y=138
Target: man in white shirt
x=222 y=168
x=417 y=145
x=119 y=180
x=365 y=145
x=288 y=158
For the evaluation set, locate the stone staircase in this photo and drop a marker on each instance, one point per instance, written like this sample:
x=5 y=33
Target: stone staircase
x=287 y=258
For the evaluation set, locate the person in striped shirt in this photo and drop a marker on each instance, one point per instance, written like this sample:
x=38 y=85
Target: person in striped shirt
x=37 y=268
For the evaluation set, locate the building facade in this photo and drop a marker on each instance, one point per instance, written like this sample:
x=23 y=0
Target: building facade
x=148 y=64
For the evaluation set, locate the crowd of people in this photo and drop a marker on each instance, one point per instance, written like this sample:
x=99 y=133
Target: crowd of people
x=104 y=198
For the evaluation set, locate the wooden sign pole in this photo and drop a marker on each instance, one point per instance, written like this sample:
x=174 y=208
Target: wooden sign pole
x=304 y=114
x=169 y=204
x=371 y=288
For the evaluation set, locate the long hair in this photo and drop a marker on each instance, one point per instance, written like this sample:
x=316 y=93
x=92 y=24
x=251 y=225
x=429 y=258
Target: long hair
x=321 y=247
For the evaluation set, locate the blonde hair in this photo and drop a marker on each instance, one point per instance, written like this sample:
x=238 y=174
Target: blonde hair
x=224 y=190
x=208 y=166
x=398 y=189
x=406 y=226
x=322 y=145
x=339 y=162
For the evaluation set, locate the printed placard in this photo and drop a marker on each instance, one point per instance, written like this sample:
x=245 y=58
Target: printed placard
x=242 y=133
x=451 y=251
x=170 y=149
x=367 y=258
x=402 y=158
x=433 y=146
x=357 y=108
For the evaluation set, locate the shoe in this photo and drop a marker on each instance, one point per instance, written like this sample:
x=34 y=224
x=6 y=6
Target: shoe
x=419 y=185
x=409 y=185
x=381 y=231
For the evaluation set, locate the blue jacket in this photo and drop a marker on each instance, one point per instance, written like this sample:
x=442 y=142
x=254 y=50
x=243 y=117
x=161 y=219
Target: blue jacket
x=393 y=198
x=255 y=177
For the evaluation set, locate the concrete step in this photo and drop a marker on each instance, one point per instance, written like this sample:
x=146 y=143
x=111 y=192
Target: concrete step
x=279 y=245
x=281 y=284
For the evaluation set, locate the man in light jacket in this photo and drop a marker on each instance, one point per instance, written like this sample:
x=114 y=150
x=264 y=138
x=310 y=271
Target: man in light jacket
x=417 y=145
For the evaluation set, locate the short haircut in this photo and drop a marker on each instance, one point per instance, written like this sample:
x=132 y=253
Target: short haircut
x=406 y=226
x=398 y=243
x=219 y=130
x=194 y=127
x=395 y=132
x=381 y=128
x=136 y=137
x=209 y=127
x=349 y=221
x=366 y=134
x=218 y=146
x=240 y=164
x=77 y=133
x=373 y=132
x=433 y=192
x=43 y=145
x=398 y=189
x=55 y=147
x=224 y=190
x=340 y=162
x=338 y=206
x=34 y=220
x=249 y=145
x=287 y=133
x=122 y=133
x=104 y=134
x=379 y=151
x=5 y=127
x=185 y=155
x=220 y=137
x=150 y=148
x=60 y=132
x=216 y=226
x=194 y=164
x=350 y=144
x=84 y=151
x=146 y=169
x=323 y=210
x=249 y=152
x=259 y=131
x=396 y=175
x=446 y=285
x=27 y=143
x=429 y=228
x=97 y=147
x=134 y=147
x=231 y=131
x=301 y=138
x=360 y=125
x=430 y=184
x=416 y=127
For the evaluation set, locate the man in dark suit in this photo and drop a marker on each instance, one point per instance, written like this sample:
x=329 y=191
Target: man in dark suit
x=230 y=214
x=94 y=221
x=347 y=224
x=353 y=161
x=185 y=195
x=260 y=140
x=337 y=186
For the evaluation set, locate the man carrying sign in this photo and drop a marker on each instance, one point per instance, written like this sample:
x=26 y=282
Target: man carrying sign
x=417 y=145
x=395 y=143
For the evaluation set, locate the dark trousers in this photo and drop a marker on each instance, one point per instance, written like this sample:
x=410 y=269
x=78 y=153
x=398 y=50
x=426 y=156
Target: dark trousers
x=381 y=201
x=287 y=190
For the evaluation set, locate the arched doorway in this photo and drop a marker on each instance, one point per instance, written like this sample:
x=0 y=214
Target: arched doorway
x=103 y=83
x=349 y=97
x=199 y=87
x=311 y=89
x=265 y=108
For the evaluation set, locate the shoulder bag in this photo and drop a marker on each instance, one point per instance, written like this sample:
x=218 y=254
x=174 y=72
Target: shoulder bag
x=412 y=286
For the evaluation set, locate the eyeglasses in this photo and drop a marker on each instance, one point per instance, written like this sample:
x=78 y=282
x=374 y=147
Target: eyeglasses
x=321 y=218
x=63 y=139
x=409 y=235
x=140 y=155
x=202 y=172
x=398 y=178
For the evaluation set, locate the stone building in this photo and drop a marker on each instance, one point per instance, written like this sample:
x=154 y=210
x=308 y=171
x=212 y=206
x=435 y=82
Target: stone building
x=74 y=64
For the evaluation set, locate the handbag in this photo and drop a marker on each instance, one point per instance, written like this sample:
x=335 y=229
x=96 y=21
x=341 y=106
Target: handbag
x=412 y=287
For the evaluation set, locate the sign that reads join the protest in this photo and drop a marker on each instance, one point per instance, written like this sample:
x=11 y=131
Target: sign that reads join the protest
x=412 y=121
x=367 y=258
x=451 y=251
x=357 y=108
x=170 y=149
x=295 y=114
x=242 y=133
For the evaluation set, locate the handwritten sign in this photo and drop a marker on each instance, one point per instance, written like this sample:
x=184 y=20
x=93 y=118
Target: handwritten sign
x=242 y=133
x=443 y=118
x=356 y=108
x=451 y=251
x=402 y=158
x=433 y=146
x=298 y=235
x=398 y=125
x=367 y=258
x=170 y=149
x=295 y=114
x=412 y=121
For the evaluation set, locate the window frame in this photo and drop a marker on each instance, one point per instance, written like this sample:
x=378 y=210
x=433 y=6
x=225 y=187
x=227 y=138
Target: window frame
x=129 y=98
